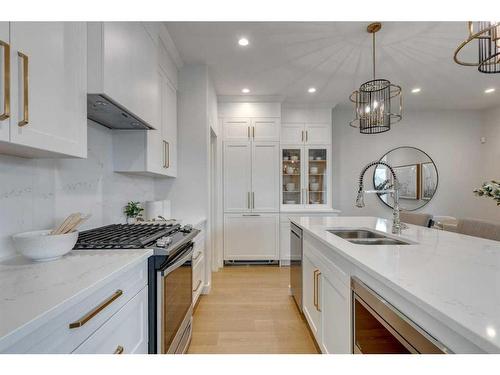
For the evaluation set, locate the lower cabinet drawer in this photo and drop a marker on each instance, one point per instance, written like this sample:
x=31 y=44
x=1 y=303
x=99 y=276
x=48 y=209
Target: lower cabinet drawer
x=198 y=278
x=126 y=332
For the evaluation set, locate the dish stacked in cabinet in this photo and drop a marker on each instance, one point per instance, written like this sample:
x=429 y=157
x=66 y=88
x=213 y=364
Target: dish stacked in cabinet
x=251 y=180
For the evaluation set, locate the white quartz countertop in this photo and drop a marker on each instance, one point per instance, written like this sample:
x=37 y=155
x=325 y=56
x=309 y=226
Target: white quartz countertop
x=453 y=277
x=32 y=292
x=310 y=211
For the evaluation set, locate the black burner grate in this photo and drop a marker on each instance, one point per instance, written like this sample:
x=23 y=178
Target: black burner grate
x=124 y=236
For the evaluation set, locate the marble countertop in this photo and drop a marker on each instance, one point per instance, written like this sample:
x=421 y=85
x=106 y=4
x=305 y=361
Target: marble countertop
x=33 y=292
x=310 y=210
x=453 y=277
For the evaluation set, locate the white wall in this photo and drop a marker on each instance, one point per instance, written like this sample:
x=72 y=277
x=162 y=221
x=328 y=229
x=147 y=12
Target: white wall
x=452 y=140
x=37 y=193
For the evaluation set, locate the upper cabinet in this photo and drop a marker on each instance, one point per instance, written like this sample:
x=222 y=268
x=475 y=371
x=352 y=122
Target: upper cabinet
x=307 y=134
x=255 y=129
x=123 y=66
x=43 y=83
x=153 y=152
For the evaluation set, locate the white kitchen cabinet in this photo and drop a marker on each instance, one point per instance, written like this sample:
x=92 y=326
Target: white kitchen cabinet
x=123 y=65
x=306 y=133
x=265 y=177
x=251 y=236
x=237 y=129
x=255 y=129
x=126 y=332
x=199 y=264
x=152 y=152
x=326 y=301
x=4 y=82
x=305 y=177
x=48 y=87
x=237 y=176
x=310 y=281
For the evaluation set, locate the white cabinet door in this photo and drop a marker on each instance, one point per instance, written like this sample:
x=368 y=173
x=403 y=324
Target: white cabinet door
x=4 y=83
x=49 y=86
x=126 y=332
x=265 y=177
x=237 y=176
x=292 y=134
x=266 y=129
x=335 y=325
x=129 y=71
x=285 y=242
x=238 y=129
x=318 y=134
x=310 y=295
x=169 y=127
x=251 y=236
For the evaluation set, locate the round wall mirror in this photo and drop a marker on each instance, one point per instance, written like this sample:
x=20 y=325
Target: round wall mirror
x=416 y=173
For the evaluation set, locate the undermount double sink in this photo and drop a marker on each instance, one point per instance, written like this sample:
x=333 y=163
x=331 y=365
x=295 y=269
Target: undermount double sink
x=366 y=237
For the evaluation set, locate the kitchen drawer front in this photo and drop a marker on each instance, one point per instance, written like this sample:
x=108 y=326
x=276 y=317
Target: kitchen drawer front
x=198 y=278
x=56 y=336
x=126 y=332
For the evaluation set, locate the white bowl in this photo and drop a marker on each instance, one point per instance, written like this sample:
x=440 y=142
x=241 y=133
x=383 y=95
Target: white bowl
x=40 y=246
x=291 y=202
x=294 y=157
x=290 y=186
x=314 y=170
x=314 y=186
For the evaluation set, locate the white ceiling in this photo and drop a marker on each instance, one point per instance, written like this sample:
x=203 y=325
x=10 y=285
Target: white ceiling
x=285 y=58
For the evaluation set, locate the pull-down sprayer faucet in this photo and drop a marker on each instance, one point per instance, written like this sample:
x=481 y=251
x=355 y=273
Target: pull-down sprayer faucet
x=397 y=226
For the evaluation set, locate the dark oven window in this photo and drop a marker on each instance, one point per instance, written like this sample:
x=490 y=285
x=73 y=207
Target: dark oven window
x=177 y=297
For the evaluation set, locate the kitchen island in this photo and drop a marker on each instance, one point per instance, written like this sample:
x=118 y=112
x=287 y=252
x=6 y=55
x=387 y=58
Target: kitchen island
x=448 y=284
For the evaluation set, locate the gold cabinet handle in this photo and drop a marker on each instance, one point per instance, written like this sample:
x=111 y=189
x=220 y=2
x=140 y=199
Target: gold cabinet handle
x=197 y=286
x=6 y=86
x=318 y=274
x=197 y=256
x=119 y=350
x=26 y=113
x=84 y=319
x=166 y=154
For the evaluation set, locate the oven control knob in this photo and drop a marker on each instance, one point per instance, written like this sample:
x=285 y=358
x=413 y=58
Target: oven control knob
x=164 y=241
x=187 y=228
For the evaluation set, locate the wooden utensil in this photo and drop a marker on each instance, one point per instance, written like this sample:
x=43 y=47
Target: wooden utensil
x=70 y=223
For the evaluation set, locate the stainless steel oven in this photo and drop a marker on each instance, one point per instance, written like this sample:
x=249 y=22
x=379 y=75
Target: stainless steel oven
x=380 y=328
x=174 y=308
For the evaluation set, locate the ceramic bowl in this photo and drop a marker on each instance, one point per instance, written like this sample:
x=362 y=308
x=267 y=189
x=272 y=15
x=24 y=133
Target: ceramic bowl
x=285 y=158
x=290 y=186
x=294 y=157
x=314 y=170
x=40 y=246
x=318 y=158
x=291 y=202
x=289 y=170
x=314 y=186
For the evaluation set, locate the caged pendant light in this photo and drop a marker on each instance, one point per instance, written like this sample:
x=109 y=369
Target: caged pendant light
x=487 y=35
x=373 y=102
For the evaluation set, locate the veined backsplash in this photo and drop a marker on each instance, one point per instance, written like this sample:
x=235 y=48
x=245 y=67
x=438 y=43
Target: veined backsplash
x=37 y=193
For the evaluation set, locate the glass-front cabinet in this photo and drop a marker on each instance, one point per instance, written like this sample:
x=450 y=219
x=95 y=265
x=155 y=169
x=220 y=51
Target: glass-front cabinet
x=305 y=181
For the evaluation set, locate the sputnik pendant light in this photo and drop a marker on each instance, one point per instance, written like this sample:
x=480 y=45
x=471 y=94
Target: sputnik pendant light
x=487 y=35
x=372 y=101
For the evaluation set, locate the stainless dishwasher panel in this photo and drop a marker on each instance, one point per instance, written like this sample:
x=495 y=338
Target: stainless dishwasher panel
x=380 y=328
x=296 y=264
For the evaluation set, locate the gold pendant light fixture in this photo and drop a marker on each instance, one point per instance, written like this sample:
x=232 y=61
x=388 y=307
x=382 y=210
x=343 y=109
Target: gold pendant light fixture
x=375 y=100
x=487 y=35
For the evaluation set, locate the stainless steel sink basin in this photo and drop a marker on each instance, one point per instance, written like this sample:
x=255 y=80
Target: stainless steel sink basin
x=366 y=237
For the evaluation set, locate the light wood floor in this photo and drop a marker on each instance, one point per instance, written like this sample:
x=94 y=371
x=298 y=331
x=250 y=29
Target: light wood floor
x=249 y=310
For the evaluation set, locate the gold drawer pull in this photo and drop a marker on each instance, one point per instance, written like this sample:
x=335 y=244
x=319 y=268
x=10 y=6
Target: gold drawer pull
x=197 y=256
x=84 y=319
x=119 y=350
x=197 y=286
x=26 y=95
x=6 y=76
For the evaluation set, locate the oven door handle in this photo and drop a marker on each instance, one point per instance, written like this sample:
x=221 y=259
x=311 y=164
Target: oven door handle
x=180 y=262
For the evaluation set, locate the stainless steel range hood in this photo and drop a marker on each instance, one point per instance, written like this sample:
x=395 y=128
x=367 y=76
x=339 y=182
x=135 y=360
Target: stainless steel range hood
x=103 y=110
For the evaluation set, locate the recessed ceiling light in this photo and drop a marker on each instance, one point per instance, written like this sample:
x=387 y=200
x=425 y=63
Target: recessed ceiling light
x=245 y=90
x=416 y=90
x=490 y=90
x=243 y=42
x=311 y=90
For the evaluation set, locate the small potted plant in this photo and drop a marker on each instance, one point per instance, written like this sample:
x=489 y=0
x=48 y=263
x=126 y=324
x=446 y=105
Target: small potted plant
x=132 y=210
x=489 y=189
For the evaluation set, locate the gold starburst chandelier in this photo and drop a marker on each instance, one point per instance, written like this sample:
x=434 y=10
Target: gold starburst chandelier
x=373 y=101
x=487 y=36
